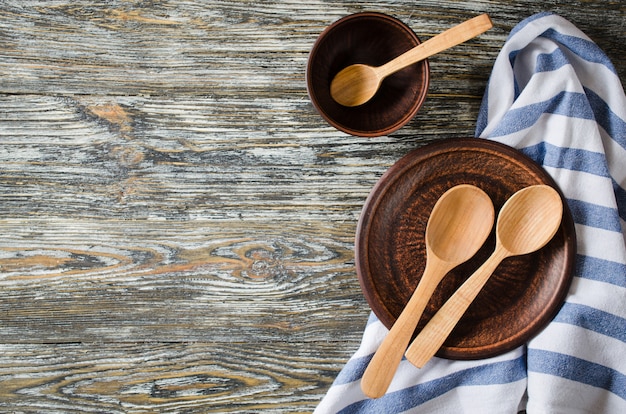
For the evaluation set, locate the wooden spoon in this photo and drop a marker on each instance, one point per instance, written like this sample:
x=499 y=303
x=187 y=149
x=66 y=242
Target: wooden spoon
x=459 y=224
x=526 y=223
x=357 y=84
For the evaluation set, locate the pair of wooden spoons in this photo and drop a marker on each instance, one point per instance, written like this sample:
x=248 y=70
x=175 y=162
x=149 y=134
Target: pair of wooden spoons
x=357 y=84
x=458 y=226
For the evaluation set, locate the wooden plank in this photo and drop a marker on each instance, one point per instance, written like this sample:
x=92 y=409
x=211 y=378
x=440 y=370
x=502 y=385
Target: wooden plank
x=158 y=158
x=167 y=377
x=117 y=281
x=157 y=48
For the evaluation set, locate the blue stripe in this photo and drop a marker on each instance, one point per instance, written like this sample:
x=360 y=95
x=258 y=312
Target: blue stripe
x=571 y=104
x=593 y=319
x=547 y=62
x=583 y=48
x=353 y=371
x=593 y=215
x=576 y=369
x=396 y=402
x=601 y=270
x=620 y=196
x=568 y=158
x=607 y=119
x=516 y=88
x=483 y=114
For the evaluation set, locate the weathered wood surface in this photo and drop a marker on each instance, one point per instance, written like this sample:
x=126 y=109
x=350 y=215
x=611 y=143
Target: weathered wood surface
x=177 y=222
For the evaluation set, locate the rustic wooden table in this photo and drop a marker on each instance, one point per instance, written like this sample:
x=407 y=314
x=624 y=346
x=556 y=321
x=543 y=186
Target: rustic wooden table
x=176 y=220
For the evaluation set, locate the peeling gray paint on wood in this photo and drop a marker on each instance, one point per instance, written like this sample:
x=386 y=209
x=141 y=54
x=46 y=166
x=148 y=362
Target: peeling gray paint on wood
x=177 y=222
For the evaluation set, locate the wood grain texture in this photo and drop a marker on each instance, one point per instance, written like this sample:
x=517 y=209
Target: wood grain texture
x=164 y=377
x=177 y=221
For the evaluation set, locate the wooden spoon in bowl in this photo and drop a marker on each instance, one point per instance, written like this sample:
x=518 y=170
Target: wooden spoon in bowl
x=459 y=224
x=526 y=223
x=357 y=84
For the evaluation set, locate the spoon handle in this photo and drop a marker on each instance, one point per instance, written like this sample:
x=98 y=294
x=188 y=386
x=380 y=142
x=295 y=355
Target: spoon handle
x=382 y=368
x=438 y=328
x=451 y=37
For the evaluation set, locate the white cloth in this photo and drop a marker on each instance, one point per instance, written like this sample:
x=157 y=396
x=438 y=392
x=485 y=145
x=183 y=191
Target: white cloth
x=554 y=95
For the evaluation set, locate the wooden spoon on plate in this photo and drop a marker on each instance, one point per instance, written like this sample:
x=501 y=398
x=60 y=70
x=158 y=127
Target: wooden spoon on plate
x=459 y=224
x=527 y=222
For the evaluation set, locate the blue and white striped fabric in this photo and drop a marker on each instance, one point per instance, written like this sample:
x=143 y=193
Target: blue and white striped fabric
x=554 y=95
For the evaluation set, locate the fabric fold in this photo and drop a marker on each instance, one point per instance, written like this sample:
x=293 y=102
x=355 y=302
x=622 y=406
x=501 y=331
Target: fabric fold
x=554 y=95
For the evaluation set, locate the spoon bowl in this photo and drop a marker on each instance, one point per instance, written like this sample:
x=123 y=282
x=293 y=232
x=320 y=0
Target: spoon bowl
x=459 y=224
x=526 y=223
x=356 y=84
x=529 y=220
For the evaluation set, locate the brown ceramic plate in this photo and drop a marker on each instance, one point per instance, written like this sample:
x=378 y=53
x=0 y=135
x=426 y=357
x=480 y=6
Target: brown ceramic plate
x=523 y=294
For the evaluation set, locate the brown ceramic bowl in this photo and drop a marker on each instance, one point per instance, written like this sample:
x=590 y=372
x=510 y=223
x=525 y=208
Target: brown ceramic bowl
x=373 y=39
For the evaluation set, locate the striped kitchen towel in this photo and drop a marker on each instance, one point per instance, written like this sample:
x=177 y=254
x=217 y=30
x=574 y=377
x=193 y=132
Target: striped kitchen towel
x=554 y=95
